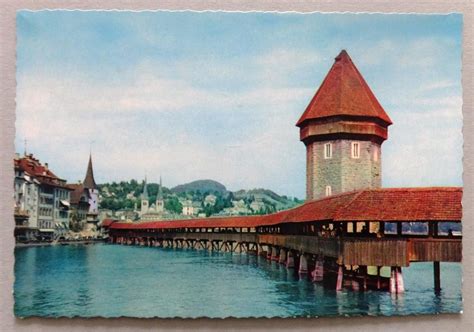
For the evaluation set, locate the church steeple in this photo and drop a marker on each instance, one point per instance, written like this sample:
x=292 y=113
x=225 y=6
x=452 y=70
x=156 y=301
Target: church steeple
x=89 y=182
x=159 y=205
x=160 y=191
x=145 y=190
x=144 y=204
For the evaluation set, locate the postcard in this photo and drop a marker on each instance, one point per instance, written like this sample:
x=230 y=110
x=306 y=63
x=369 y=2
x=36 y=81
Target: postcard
x=237 y=164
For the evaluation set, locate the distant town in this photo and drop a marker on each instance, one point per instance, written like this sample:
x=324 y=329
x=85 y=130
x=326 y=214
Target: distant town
x=48 y=209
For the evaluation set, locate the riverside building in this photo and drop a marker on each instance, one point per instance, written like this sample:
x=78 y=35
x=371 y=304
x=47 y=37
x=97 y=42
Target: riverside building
x=42 y=201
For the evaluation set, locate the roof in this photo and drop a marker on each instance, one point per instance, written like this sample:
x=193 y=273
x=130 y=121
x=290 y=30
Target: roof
x=89 y=181
x=78 y=191
x=344 y=92
x=107 y=222
x=405 y=204
x=41 y=172
x=389 y=205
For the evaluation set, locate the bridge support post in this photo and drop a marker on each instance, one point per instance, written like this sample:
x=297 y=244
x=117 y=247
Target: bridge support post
x=437 y=277
x=269 y=252
x=396 y=280
x=282 y=258
x=290 y=260
x=378 y=277
x=303 y=268
x=364 y=276
x=275 y=254
x=318 y=273
x=340 y=272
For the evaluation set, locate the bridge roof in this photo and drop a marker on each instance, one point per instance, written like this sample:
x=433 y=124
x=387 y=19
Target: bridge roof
x=389 y=204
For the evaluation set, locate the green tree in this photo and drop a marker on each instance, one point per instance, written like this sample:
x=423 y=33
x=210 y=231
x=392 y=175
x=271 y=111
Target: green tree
x=172 y=204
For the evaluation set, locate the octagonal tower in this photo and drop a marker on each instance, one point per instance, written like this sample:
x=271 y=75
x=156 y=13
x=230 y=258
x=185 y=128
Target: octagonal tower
x=343 y=129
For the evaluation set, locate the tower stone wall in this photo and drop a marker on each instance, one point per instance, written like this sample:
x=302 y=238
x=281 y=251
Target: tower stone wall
x=342 y=172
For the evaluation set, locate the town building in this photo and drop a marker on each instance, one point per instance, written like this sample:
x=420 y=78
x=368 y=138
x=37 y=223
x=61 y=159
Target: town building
x=343 y=129
x=41 y=195
x=79 y=203
x=188 y=208
x=85 y=198
x=26 y=193
x=155 y=211
x=210 y=200
x=257 y=205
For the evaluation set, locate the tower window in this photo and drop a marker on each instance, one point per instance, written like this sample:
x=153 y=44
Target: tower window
x=376 y=154
x=355 y=150
x=328 y=190
x=327 y=151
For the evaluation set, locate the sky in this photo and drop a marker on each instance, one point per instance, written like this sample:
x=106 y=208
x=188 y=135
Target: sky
x=216 y=95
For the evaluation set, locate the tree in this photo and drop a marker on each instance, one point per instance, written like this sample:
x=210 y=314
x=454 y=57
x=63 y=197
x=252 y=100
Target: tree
x=172 y=204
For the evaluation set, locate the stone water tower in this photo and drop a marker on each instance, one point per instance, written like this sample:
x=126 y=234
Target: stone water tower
x=343 y=129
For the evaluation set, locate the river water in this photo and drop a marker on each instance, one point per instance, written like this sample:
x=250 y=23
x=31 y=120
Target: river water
x=112 y=281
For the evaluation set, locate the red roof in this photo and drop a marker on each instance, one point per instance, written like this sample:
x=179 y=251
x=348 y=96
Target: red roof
x=390 y=204
x=405 y=204
x=78 y=192
x=42 y=173
x=108 y=222
x=344 y=92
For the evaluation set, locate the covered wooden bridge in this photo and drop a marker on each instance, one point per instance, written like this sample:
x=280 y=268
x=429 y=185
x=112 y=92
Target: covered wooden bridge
x=345 y=238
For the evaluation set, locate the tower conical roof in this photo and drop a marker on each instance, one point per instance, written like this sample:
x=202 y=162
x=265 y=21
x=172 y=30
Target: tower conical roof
x=344 y=92
x=159 y=196
x=145 y=190
x=89 y=181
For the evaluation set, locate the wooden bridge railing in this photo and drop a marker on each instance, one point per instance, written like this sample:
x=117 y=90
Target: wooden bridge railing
x=329 y=247
x=347 y=250
x=436 y=250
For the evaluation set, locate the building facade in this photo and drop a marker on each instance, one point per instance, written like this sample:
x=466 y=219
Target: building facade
x=343 y=129
x=43 y=196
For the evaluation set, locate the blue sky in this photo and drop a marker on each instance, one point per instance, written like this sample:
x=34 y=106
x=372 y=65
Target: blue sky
x=216 y=95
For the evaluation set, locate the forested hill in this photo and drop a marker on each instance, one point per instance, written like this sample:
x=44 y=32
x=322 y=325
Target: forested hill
x=203 y=186
x=207 y=197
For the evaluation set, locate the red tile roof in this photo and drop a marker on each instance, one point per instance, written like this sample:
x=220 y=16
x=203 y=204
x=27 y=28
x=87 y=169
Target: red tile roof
x=405 y=204
x=108 y=222
x=390 y=204
x=344 y=92
x=43 y=174
x=78 y=191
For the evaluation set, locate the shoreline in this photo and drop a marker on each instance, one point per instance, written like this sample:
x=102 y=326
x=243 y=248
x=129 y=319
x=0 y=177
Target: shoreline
x=41 y=244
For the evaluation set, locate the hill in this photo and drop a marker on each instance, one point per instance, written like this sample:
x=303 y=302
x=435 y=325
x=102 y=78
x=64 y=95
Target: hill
x=203 y=186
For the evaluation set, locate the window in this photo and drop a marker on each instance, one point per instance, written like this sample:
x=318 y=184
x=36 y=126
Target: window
x=328 y=190
x=376 y=153
x=327 y=151
x=355 y=150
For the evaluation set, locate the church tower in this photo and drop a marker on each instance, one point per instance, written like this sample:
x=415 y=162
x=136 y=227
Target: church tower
x=144 y=207
x=159 y=205
x=93 y=190
x=343 y=129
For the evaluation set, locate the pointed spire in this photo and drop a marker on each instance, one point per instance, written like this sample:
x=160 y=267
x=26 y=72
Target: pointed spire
x=89 y=181
x=145 y=190
x=344 y=92
x=160 y=191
